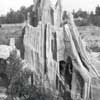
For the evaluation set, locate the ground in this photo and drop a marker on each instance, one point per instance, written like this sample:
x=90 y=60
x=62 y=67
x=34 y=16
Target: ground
x=90 y=36
x=91 y=41
x=8 y=31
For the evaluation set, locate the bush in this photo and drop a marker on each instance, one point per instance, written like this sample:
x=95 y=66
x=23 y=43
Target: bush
x=82 y=22
x=21 y=88
x=14 y=65
x=95 y=49
x=19 y=85
x=95 y=20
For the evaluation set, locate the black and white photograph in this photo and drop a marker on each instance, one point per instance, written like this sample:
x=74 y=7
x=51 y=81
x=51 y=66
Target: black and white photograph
x=49 y=49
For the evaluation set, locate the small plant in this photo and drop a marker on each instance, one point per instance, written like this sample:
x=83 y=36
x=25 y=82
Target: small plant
x=19 y=85
x=14 y=65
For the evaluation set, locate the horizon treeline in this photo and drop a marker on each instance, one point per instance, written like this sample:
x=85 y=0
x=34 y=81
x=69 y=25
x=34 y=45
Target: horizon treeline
x=92 y=18
x=19 y=16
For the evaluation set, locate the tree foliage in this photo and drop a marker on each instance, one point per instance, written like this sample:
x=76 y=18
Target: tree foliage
x=92 y=18
x=18 y=16
x=80 y=13
x=20 y=87
x=97 y=10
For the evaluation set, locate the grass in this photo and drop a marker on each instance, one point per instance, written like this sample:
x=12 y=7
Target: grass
x=88 y=34
x=91 y=36
x=8 y=31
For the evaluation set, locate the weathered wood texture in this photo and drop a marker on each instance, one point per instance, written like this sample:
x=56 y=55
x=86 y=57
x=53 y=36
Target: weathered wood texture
x=38 y=51
x=80 y=49
x=48 y=44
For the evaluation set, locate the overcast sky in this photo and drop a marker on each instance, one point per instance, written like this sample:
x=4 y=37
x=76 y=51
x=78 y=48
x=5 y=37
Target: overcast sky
x=88 y=5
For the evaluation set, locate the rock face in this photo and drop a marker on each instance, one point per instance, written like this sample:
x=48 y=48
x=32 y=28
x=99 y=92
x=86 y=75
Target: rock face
x=5 y=51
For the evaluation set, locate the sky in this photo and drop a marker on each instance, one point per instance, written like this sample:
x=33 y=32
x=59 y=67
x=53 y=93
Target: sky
x=69 y=5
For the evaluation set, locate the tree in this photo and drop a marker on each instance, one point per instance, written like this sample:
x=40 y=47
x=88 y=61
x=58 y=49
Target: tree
x=91 y=14
x=65 y=16
x=80 y=13
x=23 y=11
x=74 y=14
x=2 y=19
x=97 y=10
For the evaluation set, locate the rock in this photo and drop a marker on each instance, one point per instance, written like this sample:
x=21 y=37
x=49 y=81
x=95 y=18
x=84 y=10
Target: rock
x=5 y=51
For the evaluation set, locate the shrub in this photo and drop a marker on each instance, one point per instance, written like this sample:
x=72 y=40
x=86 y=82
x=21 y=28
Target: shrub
x=14 y=65
x=83 y=22
x=95 y=20
x=19 y=86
